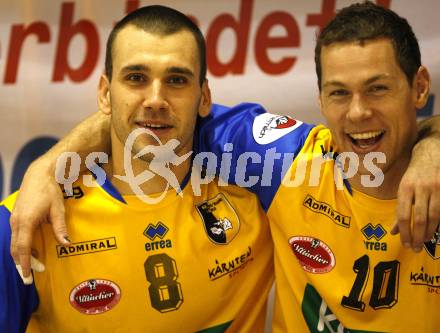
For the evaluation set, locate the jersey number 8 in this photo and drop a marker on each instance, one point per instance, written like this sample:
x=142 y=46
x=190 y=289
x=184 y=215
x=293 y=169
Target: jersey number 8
x=165 y=292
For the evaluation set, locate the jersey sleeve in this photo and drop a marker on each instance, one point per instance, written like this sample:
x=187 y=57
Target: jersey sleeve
x=254 y=148
x=17 y=301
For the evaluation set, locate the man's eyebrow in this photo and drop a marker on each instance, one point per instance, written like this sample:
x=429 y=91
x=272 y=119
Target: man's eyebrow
x=135 y=68
x=333 y=83
x=169 y=70
x=180 y=70
x=367 y=82
x=377 y=77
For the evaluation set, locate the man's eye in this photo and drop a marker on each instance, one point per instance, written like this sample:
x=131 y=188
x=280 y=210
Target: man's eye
x=338 y=93
x=378 y=88
x=136 y=78
x=177 y=80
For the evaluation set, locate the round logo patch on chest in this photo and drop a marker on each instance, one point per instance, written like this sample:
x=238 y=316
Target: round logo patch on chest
x=95 y=296
x=313 y=254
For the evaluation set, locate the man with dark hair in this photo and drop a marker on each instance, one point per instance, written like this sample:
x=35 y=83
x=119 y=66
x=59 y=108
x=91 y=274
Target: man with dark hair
x=363 y=22
x=338 y=267
x=187 y=264
x=162 y=22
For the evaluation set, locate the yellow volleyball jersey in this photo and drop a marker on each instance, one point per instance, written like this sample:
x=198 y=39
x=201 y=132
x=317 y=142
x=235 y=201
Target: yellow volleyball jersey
x=337 y=267
x=187 y=264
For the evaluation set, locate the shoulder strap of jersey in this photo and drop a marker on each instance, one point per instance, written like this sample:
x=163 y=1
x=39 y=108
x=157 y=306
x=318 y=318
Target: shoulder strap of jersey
x=254 y=148
x=17 y=301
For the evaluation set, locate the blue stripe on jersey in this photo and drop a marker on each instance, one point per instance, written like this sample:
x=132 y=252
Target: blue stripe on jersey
x=235 y=125
x=186 y=179
x=107 y=185
x=17 y=301
x=111 y=190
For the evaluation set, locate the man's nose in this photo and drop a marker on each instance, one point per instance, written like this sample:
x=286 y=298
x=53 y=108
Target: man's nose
x=155 y=98
x=358 y=109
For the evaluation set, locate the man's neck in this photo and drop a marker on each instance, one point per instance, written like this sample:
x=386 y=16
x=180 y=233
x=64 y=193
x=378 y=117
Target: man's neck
x=154 y=185
x=136 y=169
x=390 y=185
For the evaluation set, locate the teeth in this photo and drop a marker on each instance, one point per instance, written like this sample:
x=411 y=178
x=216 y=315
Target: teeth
x=365 y=135
x=154 y=125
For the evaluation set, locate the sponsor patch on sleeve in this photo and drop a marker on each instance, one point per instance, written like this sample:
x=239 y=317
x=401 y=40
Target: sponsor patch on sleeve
x=269 y=127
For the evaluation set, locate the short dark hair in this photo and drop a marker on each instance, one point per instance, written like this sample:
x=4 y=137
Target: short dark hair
x=159 y=20
x=367 y=21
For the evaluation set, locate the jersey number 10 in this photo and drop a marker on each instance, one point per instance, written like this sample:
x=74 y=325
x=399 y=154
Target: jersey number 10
x=385 y=285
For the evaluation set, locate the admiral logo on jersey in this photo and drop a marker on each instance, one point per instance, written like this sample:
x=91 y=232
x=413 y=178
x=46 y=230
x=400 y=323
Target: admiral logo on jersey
x=327 y=210
x=269 y=127
x=433 y=246
x=220 y=220
x=92 y=246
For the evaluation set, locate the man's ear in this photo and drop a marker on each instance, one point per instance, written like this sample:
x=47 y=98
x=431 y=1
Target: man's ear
x=104 y=95
x=205 y=101
x=422 y=85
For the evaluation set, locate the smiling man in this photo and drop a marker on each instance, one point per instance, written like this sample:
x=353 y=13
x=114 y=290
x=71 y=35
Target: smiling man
x=372 y=108
x=130 y=85
x=187 y=264
x=338 y=267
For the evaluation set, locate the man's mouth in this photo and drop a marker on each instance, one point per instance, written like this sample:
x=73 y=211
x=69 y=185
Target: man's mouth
x=153 y=126
x=366 y=140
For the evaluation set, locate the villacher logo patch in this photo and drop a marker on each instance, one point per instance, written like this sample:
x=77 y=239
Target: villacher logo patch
x=313 y=254
x=95 y=296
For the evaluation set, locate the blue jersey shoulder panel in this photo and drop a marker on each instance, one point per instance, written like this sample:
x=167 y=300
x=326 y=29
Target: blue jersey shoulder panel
x=254 y=148
x=17 y=301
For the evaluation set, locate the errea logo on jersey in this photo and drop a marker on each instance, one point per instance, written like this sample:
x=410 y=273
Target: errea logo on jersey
x=377 y=232
x=158 y=230
x=153 y=231
x=269 y=127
